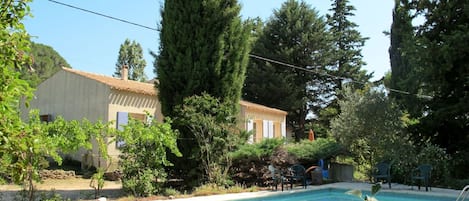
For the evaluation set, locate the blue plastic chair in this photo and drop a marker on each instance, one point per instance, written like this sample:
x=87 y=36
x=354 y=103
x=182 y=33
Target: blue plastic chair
x=324 y=169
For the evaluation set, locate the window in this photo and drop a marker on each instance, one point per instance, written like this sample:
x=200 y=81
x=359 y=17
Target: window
x=45 y=118
x=123 y=119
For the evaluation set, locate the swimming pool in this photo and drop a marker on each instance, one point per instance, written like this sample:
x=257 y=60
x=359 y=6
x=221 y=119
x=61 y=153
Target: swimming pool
x=339 y=195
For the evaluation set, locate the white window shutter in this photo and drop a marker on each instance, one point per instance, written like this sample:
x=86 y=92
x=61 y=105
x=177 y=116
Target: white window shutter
x=265 y=128
x=250 y=127
x=271 y=129
x=284 y=130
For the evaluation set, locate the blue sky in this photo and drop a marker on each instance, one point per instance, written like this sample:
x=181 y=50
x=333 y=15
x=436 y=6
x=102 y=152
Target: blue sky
x=91 y=43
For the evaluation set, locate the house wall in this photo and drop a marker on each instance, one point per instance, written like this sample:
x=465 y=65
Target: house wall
x=73 y=97
x=70 y=96
x=258 y=117
x=122 y=101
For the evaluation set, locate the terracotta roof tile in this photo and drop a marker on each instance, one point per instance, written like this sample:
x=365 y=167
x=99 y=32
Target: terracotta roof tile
x=261 y=107
x=117 y=83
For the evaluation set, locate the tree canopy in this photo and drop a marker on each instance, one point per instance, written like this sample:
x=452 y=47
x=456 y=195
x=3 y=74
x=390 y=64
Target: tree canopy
x=370 y=126
x=45 y=62
x=430 y=63
x=131 y=55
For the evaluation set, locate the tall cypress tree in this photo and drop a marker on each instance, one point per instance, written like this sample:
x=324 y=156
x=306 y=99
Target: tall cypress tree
x=295 y=34
x=204 y=48
x=401 y=52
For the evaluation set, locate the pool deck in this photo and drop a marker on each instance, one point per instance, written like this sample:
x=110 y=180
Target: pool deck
x=397 y=188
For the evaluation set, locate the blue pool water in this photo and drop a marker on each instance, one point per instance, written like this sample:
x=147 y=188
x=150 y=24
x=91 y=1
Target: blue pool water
x=339 y=195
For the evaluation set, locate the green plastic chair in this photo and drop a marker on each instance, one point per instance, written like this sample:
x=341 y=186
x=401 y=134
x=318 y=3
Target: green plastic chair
x=423 y=173
x=276 y=177
x=382 y=172
x=297 y=173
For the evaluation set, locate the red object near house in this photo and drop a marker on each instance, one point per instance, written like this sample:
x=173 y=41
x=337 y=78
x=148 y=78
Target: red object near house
x=311 y=135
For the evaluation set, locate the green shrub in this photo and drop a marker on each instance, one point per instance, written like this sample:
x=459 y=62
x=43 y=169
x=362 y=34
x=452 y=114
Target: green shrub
x=52 y=196
x=256 y=151
x=437 y=157
x=171 y=192
x=143 y=156
x=250 y=161
x=309 y=152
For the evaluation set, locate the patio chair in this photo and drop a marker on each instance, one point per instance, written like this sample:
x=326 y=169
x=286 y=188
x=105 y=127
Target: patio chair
x=423 y=174
x=297 y=173
x=276 y=177
x=381 y=172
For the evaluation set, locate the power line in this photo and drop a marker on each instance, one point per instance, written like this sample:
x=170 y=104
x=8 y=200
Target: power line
x=305 y=69
x=103 y=15
x=250 y=55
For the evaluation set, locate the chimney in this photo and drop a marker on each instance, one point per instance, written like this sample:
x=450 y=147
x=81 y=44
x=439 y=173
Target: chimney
x=124 y=72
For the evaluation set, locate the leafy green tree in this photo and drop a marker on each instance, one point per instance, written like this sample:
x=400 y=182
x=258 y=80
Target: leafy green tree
x=215 y=132
x=144 y=155
x=28 y=151
x=131 y=55
x=14 y=43
x=204 y=48
x=29 y=148
x=45 y=63
x=295 y=34
x=370 y=127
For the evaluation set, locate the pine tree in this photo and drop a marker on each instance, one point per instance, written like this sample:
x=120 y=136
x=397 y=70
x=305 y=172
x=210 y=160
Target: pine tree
x=348 y=43
x=204 y=48
x=347 y=60
x=295 y=34
x=131 y=54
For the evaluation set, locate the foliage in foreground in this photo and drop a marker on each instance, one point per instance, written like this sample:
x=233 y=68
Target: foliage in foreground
x=143 y=156
x=374 y=190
